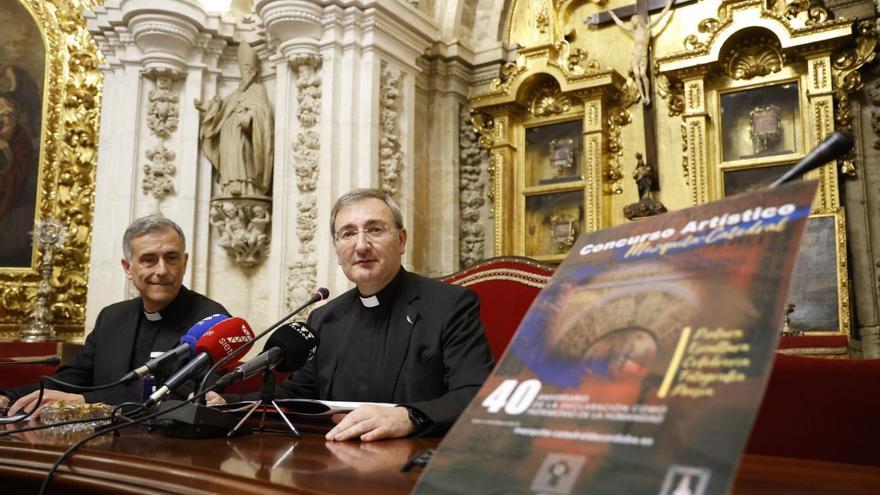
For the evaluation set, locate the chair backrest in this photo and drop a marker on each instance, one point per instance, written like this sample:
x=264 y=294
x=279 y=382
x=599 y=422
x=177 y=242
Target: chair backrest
x=23 y=374
x=822 y=409
x=506 y=287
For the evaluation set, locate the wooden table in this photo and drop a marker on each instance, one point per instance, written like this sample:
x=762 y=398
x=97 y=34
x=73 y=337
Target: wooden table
x=141 y=462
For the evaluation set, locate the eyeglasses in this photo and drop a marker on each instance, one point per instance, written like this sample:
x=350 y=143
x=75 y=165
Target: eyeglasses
x=372 y=233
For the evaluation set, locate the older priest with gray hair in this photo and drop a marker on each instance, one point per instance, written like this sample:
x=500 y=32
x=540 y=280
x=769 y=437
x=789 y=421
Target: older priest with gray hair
x=126 y=333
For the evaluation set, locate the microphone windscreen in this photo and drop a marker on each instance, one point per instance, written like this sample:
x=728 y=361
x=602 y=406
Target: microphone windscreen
x=298 y=343
x=196 y=331
x=224 y=338
x=323 y=292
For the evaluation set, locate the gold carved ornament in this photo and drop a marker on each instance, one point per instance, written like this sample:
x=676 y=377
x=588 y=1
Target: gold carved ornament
x=618 y=118
x=845 y=68
x=549 y=100
x=66 y=182
x=754 y=57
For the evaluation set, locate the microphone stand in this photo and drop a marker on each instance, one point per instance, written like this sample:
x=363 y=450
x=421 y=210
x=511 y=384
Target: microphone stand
x=267 y=398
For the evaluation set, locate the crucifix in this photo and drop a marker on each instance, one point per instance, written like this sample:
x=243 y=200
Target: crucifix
x=640 y=27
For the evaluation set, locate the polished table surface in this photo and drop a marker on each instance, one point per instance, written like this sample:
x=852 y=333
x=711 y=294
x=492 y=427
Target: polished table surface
x=140 y=461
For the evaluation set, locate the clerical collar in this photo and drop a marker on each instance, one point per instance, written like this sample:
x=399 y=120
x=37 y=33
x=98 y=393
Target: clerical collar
x=386 y=294
x=173 y=310
x=370 y=302
x=157 y=316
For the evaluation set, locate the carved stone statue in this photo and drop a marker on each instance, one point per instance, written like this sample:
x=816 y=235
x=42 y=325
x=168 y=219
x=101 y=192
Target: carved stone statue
x=236 y=133
x=640 y=29
x=242 y=225
x=646 y=206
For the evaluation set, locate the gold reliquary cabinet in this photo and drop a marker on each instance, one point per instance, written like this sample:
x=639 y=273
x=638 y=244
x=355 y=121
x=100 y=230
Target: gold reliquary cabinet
x=552 y=125
x=757 y=87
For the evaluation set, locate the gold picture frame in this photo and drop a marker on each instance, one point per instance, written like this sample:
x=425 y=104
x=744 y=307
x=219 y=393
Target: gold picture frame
x=69 y=100
x=819 y=286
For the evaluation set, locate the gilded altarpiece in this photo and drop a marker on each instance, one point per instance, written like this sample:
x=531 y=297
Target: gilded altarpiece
x=65 y=148
x=756 y=87
x=551 y=123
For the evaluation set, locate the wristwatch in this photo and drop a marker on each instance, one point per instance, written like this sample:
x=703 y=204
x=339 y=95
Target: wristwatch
x=420 y=420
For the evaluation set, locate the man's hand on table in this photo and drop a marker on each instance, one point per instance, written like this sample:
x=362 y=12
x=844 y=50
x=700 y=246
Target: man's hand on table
x=370 y=422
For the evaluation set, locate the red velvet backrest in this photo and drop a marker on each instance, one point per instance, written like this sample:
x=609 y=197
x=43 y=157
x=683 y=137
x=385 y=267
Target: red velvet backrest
x=506 y=287
x=824 y=409
x=26 y=349
x=22 y=374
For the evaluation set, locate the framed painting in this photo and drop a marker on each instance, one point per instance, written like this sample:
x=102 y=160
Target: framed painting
x=50 y=93
x=819 y=288
x=22 y=81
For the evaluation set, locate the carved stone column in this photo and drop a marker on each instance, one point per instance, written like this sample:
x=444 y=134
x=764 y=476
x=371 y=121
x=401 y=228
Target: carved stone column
x=157 y=62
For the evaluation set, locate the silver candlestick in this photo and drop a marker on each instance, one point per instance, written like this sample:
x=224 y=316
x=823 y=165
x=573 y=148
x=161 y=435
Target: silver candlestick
x=50 y=235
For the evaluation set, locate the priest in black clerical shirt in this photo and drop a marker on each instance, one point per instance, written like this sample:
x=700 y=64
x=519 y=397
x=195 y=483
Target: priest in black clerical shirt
x=396 y=337
x=126 y=333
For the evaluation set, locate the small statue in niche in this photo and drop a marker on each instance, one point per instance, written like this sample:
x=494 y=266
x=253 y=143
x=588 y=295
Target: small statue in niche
x=644 y=179
x=646 y=206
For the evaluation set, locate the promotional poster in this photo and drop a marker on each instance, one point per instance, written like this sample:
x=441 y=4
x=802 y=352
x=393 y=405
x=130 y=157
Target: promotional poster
x=640 y=367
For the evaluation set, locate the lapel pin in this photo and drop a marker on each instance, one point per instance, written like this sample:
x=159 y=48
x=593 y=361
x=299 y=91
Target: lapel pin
x=409 y=320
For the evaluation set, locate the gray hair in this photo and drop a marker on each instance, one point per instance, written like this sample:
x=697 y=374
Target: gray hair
x=150 y=224
x=358 y=195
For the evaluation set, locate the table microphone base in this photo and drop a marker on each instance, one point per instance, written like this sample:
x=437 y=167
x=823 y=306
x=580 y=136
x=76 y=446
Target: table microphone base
x=196 y=421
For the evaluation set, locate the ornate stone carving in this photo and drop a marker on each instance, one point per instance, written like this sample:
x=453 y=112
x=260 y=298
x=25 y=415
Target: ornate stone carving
x=471 y=160
x=163 y=108
x=754 y=57
x=548 y=100
x=163 y=116
x=390 y=154
x=158 y=172
x=243 y=225
x=302 y=275
x=307 y=143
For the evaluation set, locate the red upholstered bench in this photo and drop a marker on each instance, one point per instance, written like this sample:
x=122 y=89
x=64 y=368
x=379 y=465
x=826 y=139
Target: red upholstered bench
x=506 y=287
x=822 y=409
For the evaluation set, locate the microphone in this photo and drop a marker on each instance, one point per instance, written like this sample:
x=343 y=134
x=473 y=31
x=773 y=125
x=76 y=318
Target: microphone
x=288 y=349
x=49 y=361
x=221 y=341
x=318 y=295
x=837 y=144
x=187 y=346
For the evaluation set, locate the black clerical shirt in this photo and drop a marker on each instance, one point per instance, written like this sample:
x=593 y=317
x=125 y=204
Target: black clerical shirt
x=359 y=371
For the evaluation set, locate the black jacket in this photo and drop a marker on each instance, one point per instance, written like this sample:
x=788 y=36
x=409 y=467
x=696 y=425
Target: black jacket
x=436 y=351
x=106 y=354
